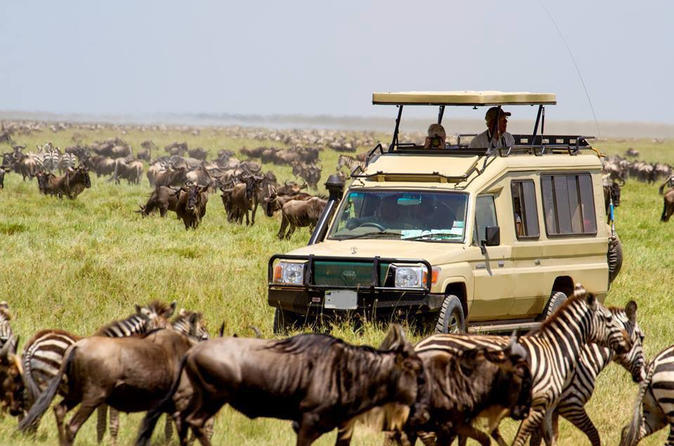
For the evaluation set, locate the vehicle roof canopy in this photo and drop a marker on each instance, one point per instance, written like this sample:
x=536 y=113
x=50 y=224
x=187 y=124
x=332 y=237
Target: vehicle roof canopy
x=471 y=98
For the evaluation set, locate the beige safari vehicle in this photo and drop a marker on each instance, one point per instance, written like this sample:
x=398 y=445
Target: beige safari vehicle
x=453 y=238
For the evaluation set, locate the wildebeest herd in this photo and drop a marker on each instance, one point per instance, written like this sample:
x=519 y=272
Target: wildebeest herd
x=434 y=391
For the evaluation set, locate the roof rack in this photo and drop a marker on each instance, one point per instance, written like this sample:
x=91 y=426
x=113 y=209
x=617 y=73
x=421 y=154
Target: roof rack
x=524 y=144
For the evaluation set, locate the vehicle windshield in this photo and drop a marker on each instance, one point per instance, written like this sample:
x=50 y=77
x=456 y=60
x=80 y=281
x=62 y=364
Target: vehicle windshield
x=417 y=215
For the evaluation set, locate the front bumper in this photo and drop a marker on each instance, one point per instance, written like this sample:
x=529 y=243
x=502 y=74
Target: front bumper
x=376 y=298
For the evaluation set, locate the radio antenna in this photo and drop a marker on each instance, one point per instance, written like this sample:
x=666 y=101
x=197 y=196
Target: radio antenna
x=573 y=59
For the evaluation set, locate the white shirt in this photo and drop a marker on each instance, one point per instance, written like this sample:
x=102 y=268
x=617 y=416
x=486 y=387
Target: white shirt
x=481 y=141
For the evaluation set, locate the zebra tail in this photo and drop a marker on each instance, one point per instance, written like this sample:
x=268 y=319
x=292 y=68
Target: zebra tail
x=631 y=432
x=152 y=416
x=32 y=419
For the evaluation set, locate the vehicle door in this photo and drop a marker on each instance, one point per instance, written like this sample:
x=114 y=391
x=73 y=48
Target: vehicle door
x=493 y=289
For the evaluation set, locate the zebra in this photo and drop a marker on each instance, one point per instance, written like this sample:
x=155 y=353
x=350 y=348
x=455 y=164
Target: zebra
x=186 y=322
x=66 y=162
x=654 y=406
x=554 y=350
x=44 y=352
x=592 y=361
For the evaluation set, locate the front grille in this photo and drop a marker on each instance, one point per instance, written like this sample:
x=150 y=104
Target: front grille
x=355 y=274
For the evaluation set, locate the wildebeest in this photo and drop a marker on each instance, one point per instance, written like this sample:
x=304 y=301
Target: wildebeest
x=163 y=198
x=668 y=205
x=2 y=177
x=143 y=372
x=611 y=194
x=11 y=379
x=654 y=408
x=191 y=206
x=71 y=184
x=300 y=213
x=460 y=386
x=554 y=350
x=170 y=177
x=317 y=381
x=189 y=323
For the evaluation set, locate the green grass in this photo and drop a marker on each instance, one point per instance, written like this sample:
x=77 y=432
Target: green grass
x=78 y=264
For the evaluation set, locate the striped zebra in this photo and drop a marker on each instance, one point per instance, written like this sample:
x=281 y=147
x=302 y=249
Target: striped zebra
x=67 y=161
x=554 y=350
x=654 y=407
x=43 y=353
x=593 y=360
x=190 y=324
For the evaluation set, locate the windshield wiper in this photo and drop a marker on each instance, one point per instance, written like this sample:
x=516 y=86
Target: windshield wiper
x=370 y=234
x=430 y=235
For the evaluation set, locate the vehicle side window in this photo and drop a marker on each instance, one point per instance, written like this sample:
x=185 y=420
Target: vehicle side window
x=524 y=209
x=485 y=215
x=568 y=204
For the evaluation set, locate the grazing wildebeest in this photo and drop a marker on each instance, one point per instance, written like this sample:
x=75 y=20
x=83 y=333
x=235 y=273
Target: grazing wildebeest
x=191 y=206
x=668 y=206
x=317 y=381
x=163 y=198
x=300 y=213
x=143 y=372
x=654 y=408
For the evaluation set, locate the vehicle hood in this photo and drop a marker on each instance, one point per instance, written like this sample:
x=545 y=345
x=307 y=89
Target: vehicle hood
x=432 y=252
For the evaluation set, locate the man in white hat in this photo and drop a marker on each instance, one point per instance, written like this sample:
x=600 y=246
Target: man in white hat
x=495 y=136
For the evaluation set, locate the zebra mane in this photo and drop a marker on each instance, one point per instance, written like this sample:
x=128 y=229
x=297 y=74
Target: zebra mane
x=158 y=307
x=578 y=295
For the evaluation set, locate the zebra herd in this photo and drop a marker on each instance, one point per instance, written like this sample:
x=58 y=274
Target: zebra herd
x=565 y=356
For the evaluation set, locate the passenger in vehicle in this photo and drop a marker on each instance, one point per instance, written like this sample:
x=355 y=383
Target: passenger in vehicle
x=436 y=137
x=496 y=135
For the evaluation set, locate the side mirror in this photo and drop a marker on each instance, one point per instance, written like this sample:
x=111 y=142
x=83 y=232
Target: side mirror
x=492 y=237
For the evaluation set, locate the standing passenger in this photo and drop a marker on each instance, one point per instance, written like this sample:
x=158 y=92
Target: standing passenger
x=495 y=136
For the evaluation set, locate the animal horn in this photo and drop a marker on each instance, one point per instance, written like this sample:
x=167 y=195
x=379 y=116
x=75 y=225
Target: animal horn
x=7 y=346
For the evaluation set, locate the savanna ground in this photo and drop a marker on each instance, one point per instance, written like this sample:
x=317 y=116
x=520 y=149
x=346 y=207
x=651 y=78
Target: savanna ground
x=78 y=264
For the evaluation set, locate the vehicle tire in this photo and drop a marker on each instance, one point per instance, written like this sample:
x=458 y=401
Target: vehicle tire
x=555 y=301
x=451 y=318
x=285 y=321
x=614 y=257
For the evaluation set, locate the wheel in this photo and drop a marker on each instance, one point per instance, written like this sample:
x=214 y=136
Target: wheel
x=614 y=257
x=451 y=318
x=285 y=320
x=555 y=301
x=373 y=224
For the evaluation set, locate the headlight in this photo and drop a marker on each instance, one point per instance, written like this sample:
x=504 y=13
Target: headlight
x=291 y=273
x=409 y=276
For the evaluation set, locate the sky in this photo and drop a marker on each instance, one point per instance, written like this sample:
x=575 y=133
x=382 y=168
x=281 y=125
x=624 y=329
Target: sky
x=609 y=59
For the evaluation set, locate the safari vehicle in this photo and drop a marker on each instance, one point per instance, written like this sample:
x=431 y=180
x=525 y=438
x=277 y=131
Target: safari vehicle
x=453 y=238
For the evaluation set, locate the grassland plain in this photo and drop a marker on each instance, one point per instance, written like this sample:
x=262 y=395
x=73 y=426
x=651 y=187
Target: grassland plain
x=78 y=264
